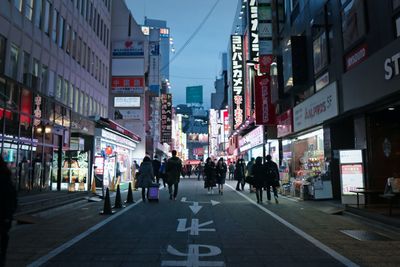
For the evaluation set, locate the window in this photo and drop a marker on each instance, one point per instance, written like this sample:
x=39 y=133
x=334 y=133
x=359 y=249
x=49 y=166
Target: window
x=54 y=26
x=90 y=106
x=88 y=64
x=92 y=62
x=38 y=13
x=61 y=32
x=397 y=23
x=14 y=61
x=68 y=39
x=35 y=69
x=320 y=53
x=65 y=93
x=98 y=25
x=87 y=10
x=74 y=41
x=108 y=36
x=2 y=53
x=83 y=8
x=86 y=105
x=58 y=94
x=101 y=30
x=76 y=97
x=46 y=22
x=71 y=95
x=78 y=52
x=45 y=74
x=27 y=70
x=18 y=4
x=353 y=22
x=91 y=14
x=29 y=9
x=396 y=4
x=94 y=20
x=104 y=35
x=77 y=3
x=81 y=94
x=83 y=56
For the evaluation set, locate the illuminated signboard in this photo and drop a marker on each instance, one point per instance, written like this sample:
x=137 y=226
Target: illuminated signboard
x=237 y=80
x=164 y=32
x=166 y=118
x=146 y=30
x=127 y=85
x=128 y=48
x=127 y=101
x=254 y=48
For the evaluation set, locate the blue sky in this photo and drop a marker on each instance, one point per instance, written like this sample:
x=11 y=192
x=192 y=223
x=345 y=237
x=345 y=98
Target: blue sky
x=200 y=61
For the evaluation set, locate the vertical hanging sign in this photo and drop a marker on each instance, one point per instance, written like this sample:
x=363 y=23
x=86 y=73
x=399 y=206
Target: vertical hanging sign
x=254 y=47
x=166 y=118
x=237 y=80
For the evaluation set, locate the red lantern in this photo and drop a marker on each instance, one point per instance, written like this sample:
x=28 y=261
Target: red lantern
x=109 y=150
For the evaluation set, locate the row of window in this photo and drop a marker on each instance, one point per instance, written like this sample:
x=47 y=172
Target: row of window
x=65 y=92
x=50 y=21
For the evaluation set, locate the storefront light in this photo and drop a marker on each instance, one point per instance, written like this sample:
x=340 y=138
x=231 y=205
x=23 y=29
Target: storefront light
x=47 y=129
x=312 y=134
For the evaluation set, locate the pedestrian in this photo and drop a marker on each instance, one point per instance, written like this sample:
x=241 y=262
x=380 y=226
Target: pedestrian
x=259 y=177
x=134 y=170
x=200 y=171
x=146 y=176
x=156 y=168
x=173 y=169
x=8 y=205
x=231 y=170
x=240 y=174
x=221 y=175
x=249 y=172
x=272 y=172
x=210 y=175
x=162 y=173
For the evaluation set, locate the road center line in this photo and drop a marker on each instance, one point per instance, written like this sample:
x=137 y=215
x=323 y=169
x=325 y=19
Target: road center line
x=300 y=232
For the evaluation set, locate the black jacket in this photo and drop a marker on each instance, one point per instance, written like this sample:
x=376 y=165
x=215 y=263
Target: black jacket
x=259 y=174
x=272 y=172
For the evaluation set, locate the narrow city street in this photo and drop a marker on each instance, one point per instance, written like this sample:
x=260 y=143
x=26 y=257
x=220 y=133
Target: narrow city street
x=200 y=229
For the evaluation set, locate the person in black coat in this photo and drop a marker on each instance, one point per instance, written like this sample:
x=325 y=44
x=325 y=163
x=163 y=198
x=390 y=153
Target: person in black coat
x=240 y=169
x=259 y=175
x=156 y=168
x=210 y=175
x=8 y=205
x=272 y=178
x=221 y=175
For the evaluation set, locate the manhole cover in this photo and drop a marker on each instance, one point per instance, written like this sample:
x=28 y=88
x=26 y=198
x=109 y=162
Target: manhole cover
x=365 y=235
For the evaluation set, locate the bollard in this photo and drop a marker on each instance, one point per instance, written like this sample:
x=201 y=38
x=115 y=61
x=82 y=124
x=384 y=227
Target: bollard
x=129 y=198
x=118 y=201
x=107 y=205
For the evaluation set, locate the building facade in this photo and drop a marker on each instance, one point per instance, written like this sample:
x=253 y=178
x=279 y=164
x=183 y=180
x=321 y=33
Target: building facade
x=54 y=74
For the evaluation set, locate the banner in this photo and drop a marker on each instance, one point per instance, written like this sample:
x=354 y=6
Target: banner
x=265 y=110
x=166 y=118
x=127 y=85
x=237 y=80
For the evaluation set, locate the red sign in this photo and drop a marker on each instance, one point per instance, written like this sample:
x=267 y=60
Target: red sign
x=356 y=57
x=285 y=123
x=120 y=129
x=265 y=110
x=265 y=63
x=127 y=84
x=199 y=151
x=26 y=108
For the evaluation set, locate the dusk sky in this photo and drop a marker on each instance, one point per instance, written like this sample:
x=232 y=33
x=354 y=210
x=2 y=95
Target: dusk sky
x=200 y=61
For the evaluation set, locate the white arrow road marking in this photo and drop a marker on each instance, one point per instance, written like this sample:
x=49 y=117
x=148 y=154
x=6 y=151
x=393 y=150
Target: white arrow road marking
x=212 y=202
x=193 y=256
x=195 y=207
x=195 y=227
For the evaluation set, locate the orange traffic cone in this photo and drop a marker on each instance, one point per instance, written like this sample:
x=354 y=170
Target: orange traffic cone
x=107 y=205
x=94 y=186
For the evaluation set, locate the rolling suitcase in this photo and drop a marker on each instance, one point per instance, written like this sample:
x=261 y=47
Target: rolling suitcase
x=153 y=192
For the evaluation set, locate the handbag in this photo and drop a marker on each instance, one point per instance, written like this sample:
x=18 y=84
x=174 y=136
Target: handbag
x=249 y=179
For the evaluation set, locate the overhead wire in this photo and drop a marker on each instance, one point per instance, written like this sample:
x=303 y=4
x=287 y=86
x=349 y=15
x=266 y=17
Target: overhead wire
x=192 y=35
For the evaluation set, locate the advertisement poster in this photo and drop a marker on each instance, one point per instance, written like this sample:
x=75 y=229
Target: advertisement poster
x=352 y=178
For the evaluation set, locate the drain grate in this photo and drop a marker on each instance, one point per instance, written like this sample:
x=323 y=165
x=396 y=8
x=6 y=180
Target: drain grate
x=365 y=235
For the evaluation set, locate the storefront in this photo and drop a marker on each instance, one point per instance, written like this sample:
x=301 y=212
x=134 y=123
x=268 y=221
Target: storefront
x=35 y=130
x=304 y=170
x=113 y=146
x=372 y=98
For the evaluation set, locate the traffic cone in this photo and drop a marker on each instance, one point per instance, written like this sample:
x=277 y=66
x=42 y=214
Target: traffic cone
x=129 y=198
x=118 y=201
x=107 y=205
x=94 y=186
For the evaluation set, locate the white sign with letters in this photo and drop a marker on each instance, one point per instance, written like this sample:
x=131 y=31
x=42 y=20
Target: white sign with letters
x=316 y=109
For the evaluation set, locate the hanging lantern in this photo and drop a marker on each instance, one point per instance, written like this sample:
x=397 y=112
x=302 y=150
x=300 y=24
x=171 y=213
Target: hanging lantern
x=109 y=150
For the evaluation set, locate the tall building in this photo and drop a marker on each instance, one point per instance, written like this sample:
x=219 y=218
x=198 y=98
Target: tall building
x=54 y=74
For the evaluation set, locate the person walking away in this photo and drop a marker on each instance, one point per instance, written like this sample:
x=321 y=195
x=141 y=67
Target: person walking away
x=231 y=170
x=249 y=171
x=210 y=175
x=146 y=176
x=200 y=171
x=173 y=169
x=259 y=174
x=221 y=175
x=162 y=173
x=8 y=205
x=156 y=168
x=272 y=178
x=134 y=170
x=240 y=174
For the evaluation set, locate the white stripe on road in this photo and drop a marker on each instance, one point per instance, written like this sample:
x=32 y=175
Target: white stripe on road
x=42 y=260
x=300 y=232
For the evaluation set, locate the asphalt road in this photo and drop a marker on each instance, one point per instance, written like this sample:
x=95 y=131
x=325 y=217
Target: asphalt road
x=197 y=229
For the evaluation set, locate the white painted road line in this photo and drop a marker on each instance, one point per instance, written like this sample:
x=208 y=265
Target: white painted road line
x=300 y=232
x=42 y=260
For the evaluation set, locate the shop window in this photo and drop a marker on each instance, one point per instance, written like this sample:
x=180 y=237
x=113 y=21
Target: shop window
x=58 y=115
x=14 y=55
x=2 y=53
x=49 y=112
x=38 y=13
x=66 y=117
x=353 y=22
